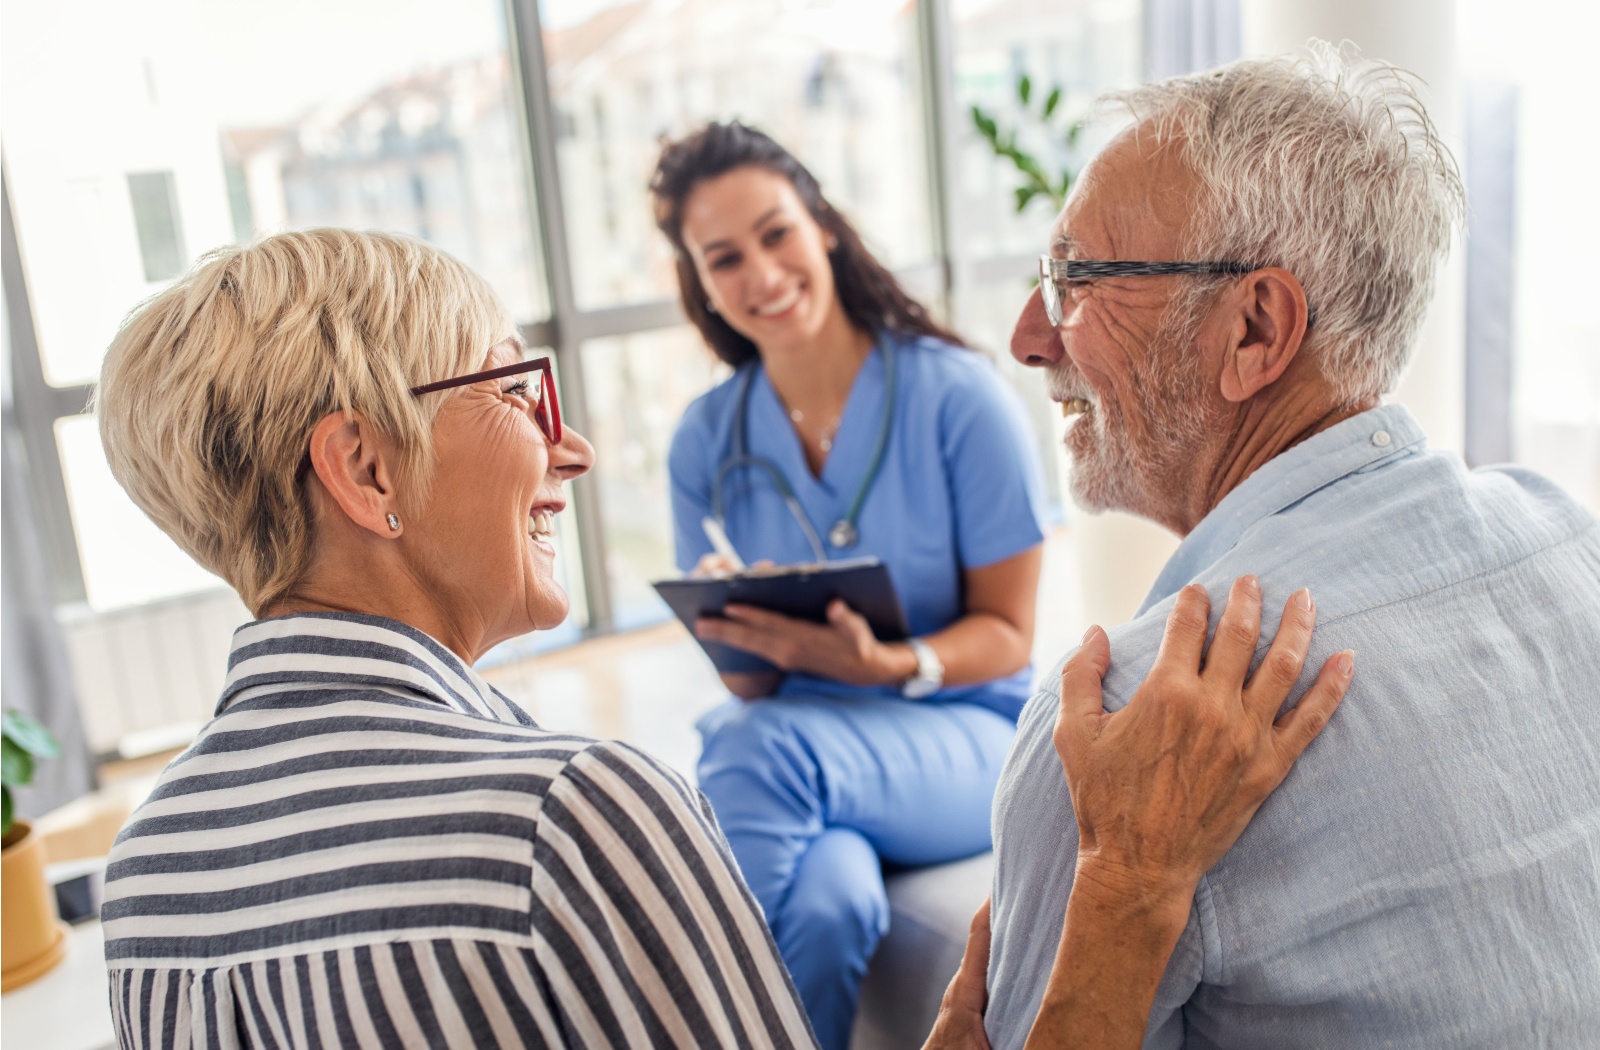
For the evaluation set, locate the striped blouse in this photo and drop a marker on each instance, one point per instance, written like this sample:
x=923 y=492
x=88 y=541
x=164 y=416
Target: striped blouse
x=370 y=846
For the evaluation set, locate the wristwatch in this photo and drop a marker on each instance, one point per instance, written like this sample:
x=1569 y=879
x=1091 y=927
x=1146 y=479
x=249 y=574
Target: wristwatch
x=930 y=672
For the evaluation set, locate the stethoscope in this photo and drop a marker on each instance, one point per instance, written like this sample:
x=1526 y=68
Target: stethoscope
x=844 y=533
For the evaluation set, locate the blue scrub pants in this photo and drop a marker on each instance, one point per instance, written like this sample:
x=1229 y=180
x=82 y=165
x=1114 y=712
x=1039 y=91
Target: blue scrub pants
x=815 y=793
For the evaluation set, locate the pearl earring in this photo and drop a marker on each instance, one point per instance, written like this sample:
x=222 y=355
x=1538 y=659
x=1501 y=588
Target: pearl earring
x=394 y=522
x=711 y=307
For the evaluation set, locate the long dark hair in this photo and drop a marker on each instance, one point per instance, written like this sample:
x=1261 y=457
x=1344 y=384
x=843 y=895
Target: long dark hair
x=871 y=297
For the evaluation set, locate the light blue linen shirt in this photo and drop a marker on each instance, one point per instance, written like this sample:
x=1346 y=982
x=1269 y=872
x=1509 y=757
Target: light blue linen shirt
x=1429 y=873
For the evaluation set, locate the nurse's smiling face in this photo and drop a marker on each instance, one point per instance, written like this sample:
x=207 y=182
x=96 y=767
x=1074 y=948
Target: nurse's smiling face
x=761 y=257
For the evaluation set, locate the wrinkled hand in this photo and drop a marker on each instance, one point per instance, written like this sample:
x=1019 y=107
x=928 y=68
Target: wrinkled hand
x=843 y=649
x=1163 y=788
x=960 y=1022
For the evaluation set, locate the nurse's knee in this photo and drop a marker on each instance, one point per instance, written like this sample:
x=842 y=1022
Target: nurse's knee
x=837 y=909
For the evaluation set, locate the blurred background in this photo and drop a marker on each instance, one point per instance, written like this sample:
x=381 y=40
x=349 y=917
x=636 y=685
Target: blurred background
x=139 y=134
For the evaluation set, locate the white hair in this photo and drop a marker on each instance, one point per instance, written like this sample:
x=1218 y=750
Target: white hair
x=1329 y=167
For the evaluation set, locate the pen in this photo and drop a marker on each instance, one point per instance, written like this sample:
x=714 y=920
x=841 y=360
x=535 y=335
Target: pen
x=720 y=542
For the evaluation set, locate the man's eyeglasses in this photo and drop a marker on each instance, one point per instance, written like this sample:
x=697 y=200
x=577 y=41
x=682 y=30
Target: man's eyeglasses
x=1053 y=271
x=546 y=408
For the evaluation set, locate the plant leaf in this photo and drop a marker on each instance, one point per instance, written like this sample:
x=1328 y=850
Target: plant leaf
x=1025 y=194
x=1051 y=102
x=29 y=735
x=5 y=811
x=1024 y=88
x=1073 y=133
x=16 y=765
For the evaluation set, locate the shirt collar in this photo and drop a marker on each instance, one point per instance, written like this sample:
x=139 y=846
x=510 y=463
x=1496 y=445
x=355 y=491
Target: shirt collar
x=1362 y=441
x=353 y=649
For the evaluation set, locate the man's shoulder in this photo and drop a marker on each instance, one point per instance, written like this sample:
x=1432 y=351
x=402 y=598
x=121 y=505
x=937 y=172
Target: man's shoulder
x=1420 y=526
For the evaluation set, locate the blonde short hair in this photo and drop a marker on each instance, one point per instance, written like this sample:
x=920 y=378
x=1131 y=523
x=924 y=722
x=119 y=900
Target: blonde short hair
x=209 y=393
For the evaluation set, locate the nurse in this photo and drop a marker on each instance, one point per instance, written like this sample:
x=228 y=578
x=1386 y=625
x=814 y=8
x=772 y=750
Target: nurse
x=853 y=425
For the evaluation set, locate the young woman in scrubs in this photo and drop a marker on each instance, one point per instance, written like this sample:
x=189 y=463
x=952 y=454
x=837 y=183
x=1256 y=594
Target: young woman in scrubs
x=856 y=753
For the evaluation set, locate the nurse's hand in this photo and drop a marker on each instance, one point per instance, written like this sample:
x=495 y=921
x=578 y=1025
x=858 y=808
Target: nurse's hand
x=843 y=649
x=712 y=565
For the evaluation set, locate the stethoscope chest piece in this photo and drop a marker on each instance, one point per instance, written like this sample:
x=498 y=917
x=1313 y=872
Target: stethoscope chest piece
x=844 y=532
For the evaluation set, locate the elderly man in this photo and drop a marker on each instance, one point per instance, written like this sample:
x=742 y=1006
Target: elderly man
x=1236 y=284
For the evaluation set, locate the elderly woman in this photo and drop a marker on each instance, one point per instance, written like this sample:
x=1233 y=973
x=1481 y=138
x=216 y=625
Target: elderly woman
x=370 y=846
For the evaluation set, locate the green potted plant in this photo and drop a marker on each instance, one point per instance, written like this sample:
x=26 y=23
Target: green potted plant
x=32 y=938
x=1039 y=182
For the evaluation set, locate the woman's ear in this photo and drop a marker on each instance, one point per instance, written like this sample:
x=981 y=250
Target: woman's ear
x=357 y=467
x=1266 y=331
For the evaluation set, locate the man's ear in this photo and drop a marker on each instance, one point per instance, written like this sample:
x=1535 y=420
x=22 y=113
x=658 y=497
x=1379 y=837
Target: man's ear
x=356 y=467
x=1266 y=329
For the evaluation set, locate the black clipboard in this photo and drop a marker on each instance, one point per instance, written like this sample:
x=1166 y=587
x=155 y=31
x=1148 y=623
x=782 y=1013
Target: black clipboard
x=800 y=591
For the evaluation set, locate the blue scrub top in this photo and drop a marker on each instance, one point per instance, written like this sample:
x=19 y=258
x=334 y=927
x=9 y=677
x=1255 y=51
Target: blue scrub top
x=960 y=487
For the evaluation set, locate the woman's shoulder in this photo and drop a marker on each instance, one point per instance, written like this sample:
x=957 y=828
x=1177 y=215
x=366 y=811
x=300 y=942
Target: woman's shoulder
x=943 y=368
x=713 y=409
x=706 y=423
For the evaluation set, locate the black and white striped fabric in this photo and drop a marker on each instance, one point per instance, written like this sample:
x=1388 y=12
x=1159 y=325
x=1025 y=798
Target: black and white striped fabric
x=369 y=846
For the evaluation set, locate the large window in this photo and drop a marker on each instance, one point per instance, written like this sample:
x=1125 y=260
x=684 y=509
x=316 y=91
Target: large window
x=645 y=381
x=1083 y=47
x=192 y=124
x=158 y=130
x=833 y=80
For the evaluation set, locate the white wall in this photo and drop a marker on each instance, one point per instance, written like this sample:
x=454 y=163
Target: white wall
x=1420 y=37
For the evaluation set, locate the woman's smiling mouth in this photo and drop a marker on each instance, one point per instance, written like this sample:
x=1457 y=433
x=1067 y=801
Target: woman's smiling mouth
x=542 y=527
x=781 y=305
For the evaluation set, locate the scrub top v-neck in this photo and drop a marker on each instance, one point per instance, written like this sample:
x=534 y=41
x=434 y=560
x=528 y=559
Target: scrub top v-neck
x=959 y=486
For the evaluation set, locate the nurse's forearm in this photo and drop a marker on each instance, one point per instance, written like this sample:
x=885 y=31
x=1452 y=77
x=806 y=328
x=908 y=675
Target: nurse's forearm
x=1114 y=949
x=994 y=637
x=979 y=647
x=752 y=685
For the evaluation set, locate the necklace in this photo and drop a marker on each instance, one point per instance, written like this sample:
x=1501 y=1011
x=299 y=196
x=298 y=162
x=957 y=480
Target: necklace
x=829 y=432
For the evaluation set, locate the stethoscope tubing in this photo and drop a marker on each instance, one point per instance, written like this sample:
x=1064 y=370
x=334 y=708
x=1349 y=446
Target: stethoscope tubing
x=845 y=528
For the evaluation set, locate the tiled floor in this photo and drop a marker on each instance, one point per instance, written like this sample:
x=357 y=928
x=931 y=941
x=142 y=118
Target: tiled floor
x=648 y=687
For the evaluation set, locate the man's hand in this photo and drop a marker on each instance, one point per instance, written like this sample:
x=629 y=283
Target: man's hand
x=1162 y=788
x=843 y=649
x=960 y=1022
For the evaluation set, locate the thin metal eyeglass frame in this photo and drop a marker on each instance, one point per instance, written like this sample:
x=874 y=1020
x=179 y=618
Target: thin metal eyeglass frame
x=1052 y=270
x=547 y=413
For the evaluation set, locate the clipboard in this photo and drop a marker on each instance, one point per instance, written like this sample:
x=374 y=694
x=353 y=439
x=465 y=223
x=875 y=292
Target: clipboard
x=800 y=591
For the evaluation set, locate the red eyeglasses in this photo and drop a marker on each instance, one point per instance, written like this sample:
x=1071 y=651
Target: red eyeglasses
x=546 y=409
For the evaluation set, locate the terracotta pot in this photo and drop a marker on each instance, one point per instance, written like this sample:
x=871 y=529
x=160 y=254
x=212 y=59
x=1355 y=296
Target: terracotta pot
x=32 y=939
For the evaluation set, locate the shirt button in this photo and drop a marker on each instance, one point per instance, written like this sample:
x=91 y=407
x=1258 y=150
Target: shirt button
x=1381 y=439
